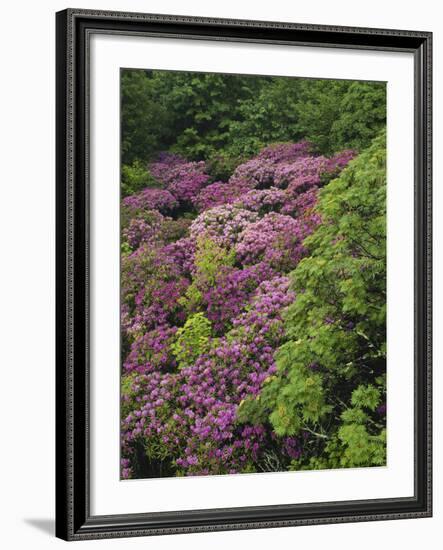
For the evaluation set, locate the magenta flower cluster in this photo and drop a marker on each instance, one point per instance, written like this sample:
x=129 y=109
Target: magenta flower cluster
x=219 y=193
x=186 y=415
x=223 y=224
x=151 y=199
x=275 y=239
x=181 y=178
x=225 y=300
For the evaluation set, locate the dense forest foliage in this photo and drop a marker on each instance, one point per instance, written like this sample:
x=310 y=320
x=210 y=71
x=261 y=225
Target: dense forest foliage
x=227 y=119
x=253 y=274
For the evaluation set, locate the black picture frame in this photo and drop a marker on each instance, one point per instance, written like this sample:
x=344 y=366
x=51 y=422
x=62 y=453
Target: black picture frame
x=73 y=518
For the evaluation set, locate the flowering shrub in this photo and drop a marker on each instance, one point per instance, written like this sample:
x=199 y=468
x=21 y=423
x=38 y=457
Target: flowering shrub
x=261 y=169
x=223 y=224
x=196 y=406
x=151 y=285
x=182 y=253
x=283 y=152
x=152 y=351
x=151 y=199
x=232 y=288
x=205 y=286
x=263 y=200
x=290 y=165
x=143 y=229
x=163 y=165
x=181 y=178
x=149 y=226
x=219 y=193
x=275 y=239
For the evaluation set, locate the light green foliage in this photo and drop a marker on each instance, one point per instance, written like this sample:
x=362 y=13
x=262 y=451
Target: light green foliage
x=330 y=372
x=125 y=249
x=192 y=339
x=136 y=177
x=127 y=394
x=209 y=259
x=366 y=396
x=360 y=447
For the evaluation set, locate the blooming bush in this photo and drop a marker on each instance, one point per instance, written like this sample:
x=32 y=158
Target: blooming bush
x=219 y=193
x=275 y=239
x=263 y=200
x=151 y=285
x=223 y=224
x=152 y=351
x=205 y=287
x=143 y=229
x=151 y=199
x=182 y=179
x=232 y=288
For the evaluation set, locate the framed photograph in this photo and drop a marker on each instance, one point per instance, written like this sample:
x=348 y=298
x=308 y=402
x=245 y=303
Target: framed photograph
x=243 y=274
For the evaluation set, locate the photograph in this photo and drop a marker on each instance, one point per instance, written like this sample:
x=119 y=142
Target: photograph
x=252 y=274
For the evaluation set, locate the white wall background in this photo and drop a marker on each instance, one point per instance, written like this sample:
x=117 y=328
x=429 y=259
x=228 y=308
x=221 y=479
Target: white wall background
x=27 y=276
